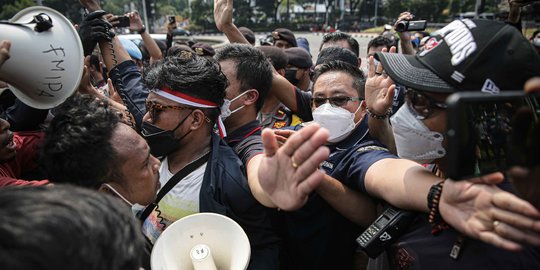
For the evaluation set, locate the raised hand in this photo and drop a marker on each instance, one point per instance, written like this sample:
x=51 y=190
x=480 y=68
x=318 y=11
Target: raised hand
x=379 y=88
x=480 y=209
x=223 y=14
x=135 y=21
x=288 y=174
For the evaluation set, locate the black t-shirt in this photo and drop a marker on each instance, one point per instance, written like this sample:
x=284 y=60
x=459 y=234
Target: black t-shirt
x=246 y=141
x=303 y=104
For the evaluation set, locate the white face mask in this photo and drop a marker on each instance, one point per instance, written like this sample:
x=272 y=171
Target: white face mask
x=414 y=141
x=337 y=120
x=226 y=107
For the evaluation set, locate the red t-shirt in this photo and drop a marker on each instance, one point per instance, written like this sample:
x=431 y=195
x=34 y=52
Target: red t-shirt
x=25 y=160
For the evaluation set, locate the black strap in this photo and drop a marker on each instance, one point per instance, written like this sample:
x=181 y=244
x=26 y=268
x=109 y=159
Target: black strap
x=172 y=182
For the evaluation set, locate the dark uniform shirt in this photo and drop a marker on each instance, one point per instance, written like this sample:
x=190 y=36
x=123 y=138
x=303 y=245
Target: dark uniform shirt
x=316 y=235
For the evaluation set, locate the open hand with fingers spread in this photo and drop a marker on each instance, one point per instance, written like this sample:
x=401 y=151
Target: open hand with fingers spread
x=288 y=174
x=480 y=209
x=379 y=88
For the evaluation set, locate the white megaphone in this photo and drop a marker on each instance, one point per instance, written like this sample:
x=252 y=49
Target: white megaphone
x=46 y=63
x=202 y=241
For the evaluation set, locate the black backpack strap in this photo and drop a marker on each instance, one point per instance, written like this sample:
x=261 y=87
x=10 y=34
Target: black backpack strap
x=172 y=182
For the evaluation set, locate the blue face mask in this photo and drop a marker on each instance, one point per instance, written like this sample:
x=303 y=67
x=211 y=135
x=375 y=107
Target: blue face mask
x=162 y=142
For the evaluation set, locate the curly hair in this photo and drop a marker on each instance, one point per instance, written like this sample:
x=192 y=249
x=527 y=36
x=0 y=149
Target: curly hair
x=191 y=74
x=77 y=147
x=67 y=227
x=340 y=66
x=253 y=70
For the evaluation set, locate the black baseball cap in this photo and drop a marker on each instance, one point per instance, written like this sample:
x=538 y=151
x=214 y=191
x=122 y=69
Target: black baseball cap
x=467 y=55
x=285 y=34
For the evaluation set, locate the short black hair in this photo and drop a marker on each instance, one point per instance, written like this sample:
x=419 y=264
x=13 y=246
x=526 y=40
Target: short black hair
x=252 y=69
x=337 y=36
x=340 y=66
x=337 y=53
x=191 y=74
x=67 y=227
x=77 y=146
x=380 y=41
x=275 y=55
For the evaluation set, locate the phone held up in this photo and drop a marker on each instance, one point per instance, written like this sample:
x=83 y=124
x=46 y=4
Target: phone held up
x=488 y=133
x=123 y=21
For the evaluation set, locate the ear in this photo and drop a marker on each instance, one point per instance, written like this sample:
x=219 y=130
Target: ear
x=281 y=72
x=198 y=119
x=251 y=97
x=359 y=62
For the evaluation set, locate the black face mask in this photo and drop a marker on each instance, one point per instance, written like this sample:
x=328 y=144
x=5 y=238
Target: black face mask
x=290 y=75
x=162 y=142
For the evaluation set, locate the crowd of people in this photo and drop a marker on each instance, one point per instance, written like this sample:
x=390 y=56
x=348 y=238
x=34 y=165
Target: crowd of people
x=304 y=155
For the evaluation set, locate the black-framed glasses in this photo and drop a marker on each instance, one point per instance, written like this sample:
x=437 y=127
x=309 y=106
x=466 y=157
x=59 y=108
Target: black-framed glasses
x=422 y=105
x=154 y=108
x=339 y=101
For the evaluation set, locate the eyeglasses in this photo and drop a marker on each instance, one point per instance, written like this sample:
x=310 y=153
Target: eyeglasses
x=334 y=101
x=154 y=108
x=423 y=106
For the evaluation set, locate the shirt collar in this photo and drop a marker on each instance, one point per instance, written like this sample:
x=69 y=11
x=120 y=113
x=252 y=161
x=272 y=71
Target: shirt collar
x=251 y=128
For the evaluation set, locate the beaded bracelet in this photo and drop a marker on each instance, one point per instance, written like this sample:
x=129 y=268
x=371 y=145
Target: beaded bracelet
x=378 y=116
x=435 y=218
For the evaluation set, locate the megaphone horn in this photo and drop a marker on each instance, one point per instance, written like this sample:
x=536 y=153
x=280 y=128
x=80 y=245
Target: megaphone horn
x=46 y=57
x=202 y=241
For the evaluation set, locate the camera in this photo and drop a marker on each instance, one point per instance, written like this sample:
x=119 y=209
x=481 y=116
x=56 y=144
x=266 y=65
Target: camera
x=171 y=18
x=489 y=133
x=123 y=21
x=405 y=26
x=388 y=227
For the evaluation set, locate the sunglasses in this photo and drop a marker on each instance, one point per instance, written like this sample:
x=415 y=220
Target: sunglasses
x=334 y=101
x=154 y=109
x=423 y=106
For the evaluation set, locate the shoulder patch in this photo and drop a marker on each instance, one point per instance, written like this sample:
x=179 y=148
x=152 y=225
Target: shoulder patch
x=371 y=148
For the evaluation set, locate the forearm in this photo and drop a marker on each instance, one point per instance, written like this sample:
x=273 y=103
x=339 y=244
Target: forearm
x=406 y=44
x=253 y=181
x=233 y=34
x=119 y=52
x=284 y=91
x=354 y=206
x=152 y=47
x=381 y=130
x=514 y=13
x=400 y=182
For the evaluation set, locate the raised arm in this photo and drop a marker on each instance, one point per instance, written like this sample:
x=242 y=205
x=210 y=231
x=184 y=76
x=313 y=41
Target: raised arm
x=223 y=15
x=136 y=24
x=379 y=97
x=405 y=37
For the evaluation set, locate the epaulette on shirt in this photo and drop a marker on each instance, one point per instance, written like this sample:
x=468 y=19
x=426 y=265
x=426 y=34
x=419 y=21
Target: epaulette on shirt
x=371 y=148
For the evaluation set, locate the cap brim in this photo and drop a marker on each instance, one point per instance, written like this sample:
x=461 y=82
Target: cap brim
x=408 y=71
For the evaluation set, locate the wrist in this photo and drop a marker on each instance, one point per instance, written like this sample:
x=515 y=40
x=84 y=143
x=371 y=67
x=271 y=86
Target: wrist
x=379 y=116
x=141 y=30
x=433 y=199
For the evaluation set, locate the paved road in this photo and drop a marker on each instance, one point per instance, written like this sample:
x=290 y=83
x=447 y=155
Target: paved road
x=314 y=40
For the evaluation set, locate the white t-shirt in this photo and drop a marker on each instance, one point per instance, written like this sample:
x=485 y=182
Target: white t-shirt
x=182 y=200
